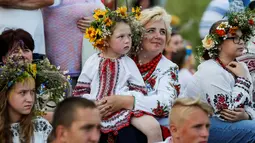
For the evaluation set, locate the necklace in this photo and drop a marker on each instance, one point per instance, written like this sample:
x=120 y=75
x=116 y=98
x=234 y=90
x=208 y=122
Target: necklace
x=147 y=69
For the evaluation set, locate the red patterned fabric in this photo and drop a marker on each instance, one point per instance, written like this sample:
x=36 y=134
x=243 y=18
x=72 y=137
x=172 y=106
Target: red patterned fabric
x=165 y=132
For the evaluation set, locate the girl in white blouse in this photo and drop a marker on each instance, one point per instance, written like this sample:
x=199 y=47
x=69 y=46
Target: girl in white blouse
x=224 y=83
x=18 y=122
x=111 y=72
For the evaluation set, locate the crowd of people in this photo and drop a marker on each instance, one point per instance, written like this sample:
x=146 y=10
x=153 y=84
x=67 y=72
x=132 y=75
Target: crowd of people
x=84 y=72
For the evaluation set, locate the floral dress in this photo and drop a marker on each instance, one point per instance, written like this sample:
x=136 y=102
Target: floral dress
x=42 y=129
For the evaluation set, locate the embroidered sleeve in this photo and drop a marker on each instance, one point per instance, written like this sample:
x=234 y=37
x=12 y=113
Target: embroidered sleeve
x=41 y=125
x=220 y=95
x=135 y=83
x=82 y=88
x=160 y=102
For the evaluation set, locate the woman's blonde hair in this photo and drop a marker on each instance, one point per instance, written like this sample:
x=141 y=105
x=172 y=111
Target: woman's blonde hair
x=155 y=14
x=26 y=125
x=184 y=106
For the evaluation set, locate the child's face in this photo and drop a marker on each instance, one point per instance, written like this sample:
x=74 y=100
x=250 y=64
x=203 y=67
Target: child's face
x=120 y=41
x=21 y=97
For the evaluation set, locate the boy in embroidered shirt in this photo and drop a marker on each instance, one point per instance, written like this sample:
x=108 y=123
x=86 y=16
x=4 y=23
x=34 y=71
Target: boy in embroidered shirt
x=111 y=72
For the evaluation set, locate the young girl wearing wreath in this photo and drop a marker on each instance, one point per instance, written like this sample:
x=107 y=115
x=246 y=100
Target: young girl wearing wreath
x=18 y=120
x=111 y=72
x=224 y=83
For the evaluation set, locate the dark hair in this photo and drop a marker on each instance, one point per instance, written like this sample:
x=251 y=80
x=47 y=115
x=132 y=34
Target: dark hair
x=179 y=57
x=252 y=5
x=212 y=31
x=65 y=111
x=13 y=36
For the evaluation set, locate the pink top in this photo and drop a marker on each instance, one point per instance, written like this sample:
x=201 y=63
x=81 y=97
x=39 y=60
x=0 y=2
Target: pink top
x=63 y=38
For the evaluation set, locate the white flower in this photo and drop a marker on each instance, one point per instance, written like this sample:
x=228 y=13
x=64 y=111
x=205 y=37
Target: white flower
x=208 y=42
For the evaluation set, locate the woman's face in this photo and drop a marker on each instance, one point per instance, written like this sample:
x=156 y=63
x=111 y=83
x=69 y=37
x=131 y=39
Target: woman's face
x=24 y=54
x=176 y=42
x=21 y=97
x=233 y=46
x=154 y=40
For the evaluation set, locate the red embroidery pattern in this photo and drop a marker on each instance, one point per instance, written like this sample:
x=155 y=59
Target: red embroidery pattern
x=125 y=115
x=81 y=88
x=152 y=81
x=221 y=101
x=108 y=75
x=138 y=88
x=160 y=110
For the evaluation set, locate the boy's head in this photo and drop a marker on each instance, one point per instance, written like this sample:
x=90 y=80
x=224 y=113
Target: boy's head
x=76 y=120
x=189 y=121
x=16 y=43
x=115 y=31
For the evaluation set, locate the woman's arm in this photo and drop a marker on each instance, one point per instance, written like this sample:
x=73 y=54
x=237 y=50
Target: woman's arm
x=160 y=103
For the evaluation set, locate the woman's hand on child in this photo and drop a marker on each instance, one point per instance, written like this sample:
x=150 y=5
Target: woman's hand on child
x=233 y=116
x=84 y=23
x=109 y=105
x=237 y=69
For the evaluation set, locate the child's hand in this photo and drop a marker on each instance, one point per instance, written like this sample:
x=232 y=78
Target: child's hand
x=84 y=23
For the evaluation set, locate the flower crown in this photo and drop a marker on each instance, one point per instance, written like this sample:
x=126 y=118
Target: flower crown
x=49 y=80
x=104 y=21
x=243 y=21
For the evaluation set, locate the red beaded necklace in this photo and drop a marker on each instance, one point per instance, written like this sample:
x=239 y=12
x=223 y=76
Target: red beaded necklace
x=223 y=66
x=221 y=63
x=148 y=68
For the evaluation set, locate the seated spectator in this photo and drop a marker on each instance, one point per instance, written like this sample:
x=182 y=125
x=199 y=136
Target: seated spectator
x=20 y=121
x=76 y=120
x=189 y=121
x=19 y=44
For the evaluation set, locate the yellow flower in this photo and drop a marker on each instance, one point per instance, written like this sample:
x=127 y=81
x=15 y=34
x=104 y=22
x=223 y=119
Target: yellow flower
x=99 y=44
x=108 y=21
x=208 y=42
x=175 y=20
x=99 y=32
x=32 y=69
x=137 y=12
x=91 y=34
x=223 y=25
x=122 y=11
x=99 y=14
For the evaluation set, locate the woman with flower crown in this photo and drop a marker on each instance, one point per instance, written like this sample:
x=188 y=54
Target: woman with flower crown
x=19 y=44
x=224 y=83
x=159 y=74
x=111 y=72
x=18 y=120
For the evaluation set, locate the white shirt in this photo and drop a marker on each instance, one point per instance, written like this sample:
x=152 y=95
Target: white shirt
x=185 y=76
x=28 y=20
x=42 y=129
x=220 y=89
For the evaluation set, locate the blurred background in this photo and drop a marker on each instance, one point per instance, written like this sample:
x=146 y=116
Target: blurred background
x=186 y=15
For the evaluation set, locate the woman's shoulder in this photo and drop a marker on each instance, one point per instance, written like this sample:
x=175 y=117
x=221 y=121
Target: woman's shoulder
x=42 y=125
x=209 y=68
x=165 y=63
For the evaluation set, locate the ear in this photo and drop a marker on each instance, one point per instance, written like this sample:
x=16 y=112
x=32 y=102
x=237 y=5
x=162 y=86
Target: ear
x=61 y=133
x=106 y=43
x=174 y=131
